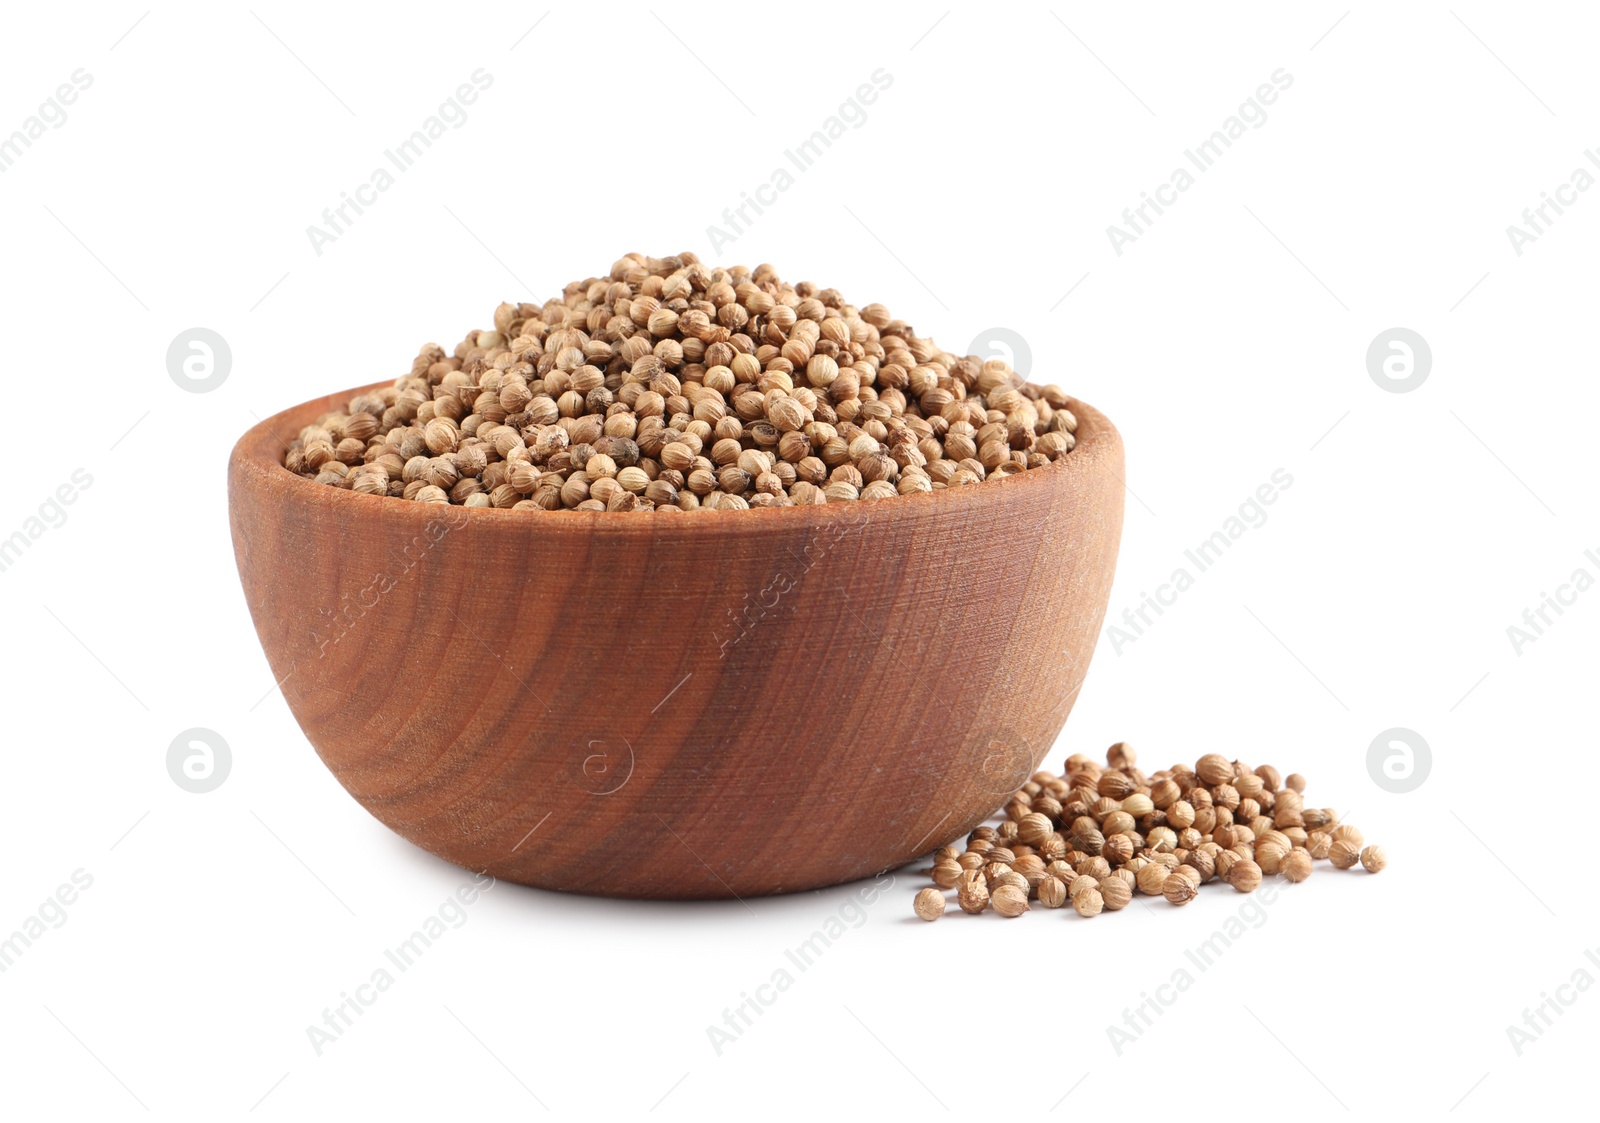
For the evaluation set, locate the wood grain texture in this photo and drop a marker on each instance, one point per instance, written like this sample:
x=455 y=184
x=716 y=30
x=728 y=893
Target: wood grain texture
x=711 y=705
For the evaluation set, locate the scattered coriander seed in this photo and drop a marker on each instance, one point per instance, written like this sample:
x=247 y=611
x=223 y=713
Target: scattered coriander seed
x=1297 y=865
x=1346 y=833
x=929 y=904
x=1245 y=876
x=1010 y=878
x=1179 y=890
x=1081 y=884
x=1344 y=854
x=1152 y=879
x=1114 y=892
x=1270 y=856
x=972 y=894
x=1052 y=892
x=1009 y=901
x=1094 y=836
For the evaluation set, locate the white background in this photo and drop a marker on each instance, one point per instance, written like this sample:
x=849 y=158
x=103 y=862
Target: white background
x=1226 y=342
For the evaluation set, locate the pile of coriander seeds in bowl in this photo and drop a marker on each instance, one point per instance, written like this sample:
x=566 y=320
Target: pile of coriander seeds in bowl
x=1095 y=837
x=670 y=386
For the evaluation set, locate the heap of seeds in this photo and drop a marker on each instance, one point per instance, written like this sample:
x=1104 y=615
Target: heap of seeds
x=671 y=386
x=1095 y=836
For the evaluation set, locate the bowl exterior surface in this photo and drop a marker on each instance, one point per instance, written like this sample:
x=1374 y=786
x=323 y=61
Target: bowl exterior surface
x=696 y=706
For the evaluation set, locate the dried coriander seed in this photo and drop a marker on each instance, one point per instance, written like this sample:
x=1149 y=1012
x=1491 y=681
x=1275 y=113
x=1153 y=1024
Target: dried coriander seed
x=1179 y=890
x=1297 y=865
x=1344 y=854
x=972 y=894
x=929 y=904
x=1245 y=876
x=1010 y=901
x=755 y=392
x=1113 y=830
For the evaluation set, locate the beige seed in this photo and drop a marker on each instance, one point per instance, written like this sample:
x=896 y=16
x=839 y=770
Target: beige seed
x=1088 y=903
x=1297 y=865
x=1344 y=854
x=1245 y=876
x=1179 y=890
x=929 y=904
x=1009 y=901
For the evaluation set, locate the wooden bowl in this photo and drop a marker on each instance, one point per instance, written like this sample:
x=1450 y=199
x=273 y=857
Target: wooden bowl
x=720 y=704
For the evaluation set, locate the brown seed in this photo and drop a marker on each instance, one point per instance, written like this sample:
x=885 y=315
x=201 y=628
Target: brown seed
x=972 y=894
x=1152 y=879
x=1009 y=901
x=1052 y=893
x=1034 y=828
x=1344 y=854
x=1214 y=769
x=701 y=371
x=1179 y=890
x=1089 y=902
x=929 y=904
x=1245 y=876
x=1374 y=859
x=1115 y=893
x=1138 y=805
x=1270 y=856
x=1297 y=865
x=1346 y=833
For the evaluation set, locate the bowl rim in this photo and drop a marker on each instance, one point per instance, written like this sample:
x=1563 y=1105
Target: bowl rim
x=259 y=453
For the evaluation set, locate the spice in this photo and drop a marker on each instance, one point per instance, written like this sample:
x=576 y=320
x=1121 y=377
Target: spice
x=669 y=385
x=1179 y=890
x=1245 y=876
x=1344 y=854
x=929 y=904
x=1114 y=891
x=1052 y=892
x=1297 y=865
x=1095 y=835
x=972 y=894
x=1010 y=901
x=1088 y=903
